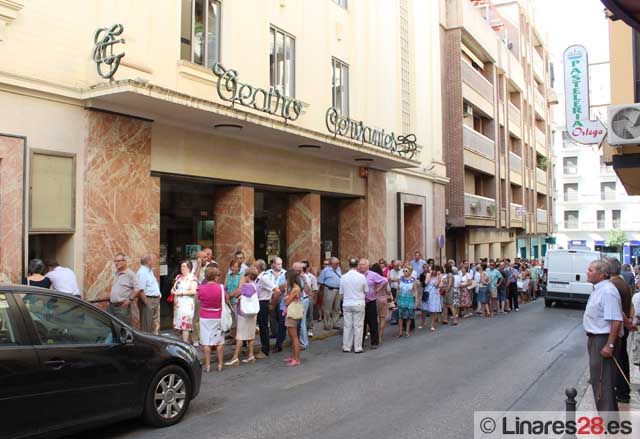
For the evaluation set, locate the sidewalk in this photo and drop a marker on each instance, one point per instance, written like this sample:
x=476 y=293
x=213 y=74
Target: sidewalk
x=319 y=333
x=585 y=394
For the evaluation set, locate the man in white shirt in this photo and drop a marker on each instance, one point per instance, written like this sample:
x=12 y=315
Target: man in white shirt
x=602 y=321
x=353 y=287
x=266 y=287
x=62 y=279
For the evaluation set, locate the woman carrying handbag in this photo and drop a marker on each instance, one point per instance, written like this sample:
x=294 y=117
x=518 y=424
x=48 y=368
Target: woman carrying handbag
x=246 y=317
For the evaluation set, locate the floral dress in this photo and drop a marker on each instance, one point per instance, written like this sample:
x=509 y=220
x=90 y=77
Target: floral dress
x=406 y=299
x=435 y=299
x=184 y=305
x=466 y=300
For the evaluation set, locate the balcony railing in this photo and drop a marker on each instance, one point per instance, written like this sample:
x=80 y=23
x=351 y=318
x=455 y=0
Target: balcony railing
x=475 y=205
x=515 y=162
x=514 y=114
x=474 y=140
x=518 y=213
x=539 y=101
x=538 y=65
x=476 y=81
x=541 y=176
x=541 y=138
x=541 y=216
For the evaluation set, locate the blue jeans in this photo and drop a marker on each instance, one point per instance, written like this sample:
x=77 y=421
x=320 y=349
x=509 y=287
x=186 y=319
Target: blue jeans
x=502 y=293
x=302 y=326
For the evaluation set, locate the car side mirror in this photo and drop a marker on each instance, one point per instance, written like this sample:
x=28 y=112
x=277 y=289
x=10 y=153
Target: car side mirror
x=126 y=336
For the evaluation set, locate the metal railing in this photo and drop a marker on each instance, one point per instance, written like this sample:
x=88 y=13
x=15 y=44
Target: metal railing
x=518 y=213
x=541 y=216
x=515 y=162
x=475 y=205
x=474 y=140
x=476 y=81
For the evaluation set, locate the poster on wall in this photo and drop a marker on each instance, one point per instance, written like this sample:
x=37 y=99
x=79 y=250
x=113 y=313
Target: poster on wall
x=273 y=243
x=162 y=260
x=190 y=250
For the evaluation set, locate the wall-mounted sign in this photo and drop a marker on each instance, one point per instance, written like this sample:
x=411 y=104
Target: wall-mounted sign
x=404 y=146
x=270 y=101
x=580 y=127
x=104 y=39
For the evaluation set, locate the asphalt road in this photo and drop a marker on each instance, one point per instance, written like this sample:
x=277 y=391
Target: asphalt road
x=427 y=385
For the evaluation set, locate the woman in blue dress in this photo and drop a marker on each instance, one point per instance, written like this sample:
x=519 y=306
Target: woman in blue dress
x=435 y=299
x=407 y=299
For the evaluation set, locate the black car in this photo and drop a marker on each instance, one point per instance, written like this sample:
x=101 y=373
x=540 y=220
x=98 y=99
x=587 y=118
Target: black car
x=66 y=365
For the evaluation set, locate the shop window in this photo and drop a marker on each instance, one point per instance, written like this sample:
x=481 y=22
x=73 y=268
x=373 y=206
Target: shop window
x=282 y=62
x=200 y=32
x=340 y=86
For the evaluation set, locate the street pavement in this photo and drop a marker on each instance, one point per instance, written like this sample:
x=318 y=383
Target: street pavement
x=427 y=385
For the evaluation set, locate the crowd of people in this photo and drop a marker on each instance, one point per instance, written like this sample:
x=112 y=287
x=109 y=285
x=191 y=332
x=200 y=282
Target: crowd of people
x=288 y=303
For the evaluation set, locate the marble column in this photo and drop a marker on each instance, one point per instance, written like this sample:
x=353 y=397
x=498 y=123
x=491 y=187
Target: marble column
x=234 y=219
x=439 y=218
x=303 y=229
x=495 y=250
x=362 y=222
x=482 y=251
x=11 y=206
x=122 y=199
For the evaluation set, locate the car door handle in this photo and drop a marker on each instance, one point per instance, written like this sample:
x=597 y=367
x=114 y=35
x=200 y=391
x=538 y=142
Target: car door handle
x=55 y=364
x=577 y=277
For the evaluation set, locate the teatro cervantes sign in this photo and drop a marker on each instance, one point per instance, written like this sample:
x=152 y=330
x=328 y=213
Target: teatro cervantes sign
x=270 y=101
x=580 y=127
x=104 y=39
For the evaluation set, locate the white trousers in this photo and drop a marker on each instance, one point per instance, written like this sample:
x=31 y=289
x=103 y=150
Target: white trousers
x=353 y=325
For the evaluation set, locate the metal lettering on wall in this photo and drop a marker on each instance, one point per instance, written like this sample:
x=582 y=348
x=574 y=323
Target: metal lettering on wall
x=104 y=39
x=404 y=146
x=271 y=101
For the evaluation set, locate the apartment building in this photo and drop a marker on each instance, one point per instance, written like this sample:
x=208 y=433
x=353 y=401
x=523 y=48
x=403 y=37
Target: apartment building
x=591 y=201
x=276 y=127
x=496 y=129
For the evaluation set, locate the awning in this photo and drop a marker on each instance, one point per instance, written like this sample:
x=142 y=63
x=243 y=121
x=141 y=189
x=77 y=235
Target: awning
x=625 y=10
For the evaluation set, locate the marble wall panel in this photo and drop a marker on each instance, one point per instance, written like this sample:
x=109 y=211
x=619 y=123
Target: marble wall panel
x=352 y=227
x=439 y=219
x=11 y=205
x=303 y=229
x=121 y=200
x=234 y=223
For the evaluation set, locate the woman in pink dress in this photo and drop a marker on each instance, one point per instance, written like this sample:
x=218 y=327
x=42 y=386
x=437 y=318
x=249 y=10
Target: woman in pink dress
x=211 y=296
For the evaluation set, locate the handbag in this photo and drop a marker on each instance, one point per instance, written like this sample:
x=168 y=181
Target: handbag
x=294 y=310
x=170 y=298
x=225 y=319
x=249 y=306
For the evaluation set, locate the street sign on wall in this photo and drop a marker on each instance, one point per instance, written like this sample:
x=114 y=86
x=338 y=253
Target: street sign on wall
x=580 y=127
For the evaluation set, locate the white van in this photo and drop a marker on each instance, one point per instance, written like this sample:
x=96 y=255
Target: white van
x=565 y=275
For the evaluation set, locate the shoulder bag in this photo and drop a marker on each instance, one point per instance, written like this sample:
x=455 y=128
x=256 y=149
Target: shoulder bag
x=249 y=306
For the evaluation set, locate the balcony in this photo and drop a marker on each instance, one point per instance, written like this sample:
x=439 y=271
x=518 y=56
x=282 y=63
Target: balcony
x=538 y=66
x=473 y=140
x=541 y=216
x=515 y=163
x=479 y=207
x=477 y=82
x=517 y=214
x=541 y=176
x=515 y=116
x=539 y=103
x=541 y=139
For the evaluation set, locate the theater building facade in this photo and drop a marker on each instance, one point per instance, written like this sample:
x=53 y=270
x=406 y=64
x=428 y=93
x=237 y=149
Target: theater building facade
x=276 y=127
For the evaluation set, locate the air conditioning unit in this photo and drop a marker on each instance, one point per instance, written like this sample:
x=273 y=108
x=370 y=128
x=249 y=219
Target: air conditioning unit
x=467 y=110
x=624 y=124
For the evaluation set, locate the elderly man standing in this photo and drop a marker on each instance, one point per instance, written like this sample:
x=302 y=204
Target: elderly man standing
x=329 y=281
x=150 y=311
x=353 y=287
x=266 y=284
x=602 y=322
x=375 y=284
x=125 y=289
x=417 y=263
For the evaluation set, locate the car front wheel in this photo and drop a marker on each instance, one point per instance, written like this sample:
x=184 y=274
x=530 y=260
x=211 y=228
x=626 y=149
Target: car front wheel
x=168 y=397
